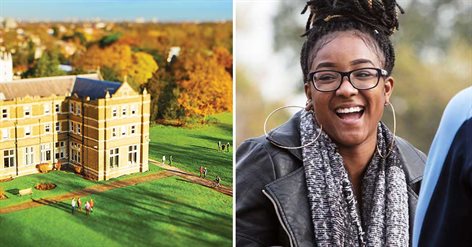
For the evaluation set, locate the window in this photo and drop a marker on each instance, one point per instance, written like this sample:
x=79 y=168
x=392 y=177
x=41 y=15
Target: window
x=47 y=109
x=71 y=107
x=113 y=132
x=9 y=158
x=27 y=130
x=45 y=152
x=133 y=154
x=133 y=110
x=123 y=130
x=75 y=152
x=72 y=127
x=79 y=128
x=58 y=108
x=5 y=134
x=114 y=112
x=27 y=111
x=47 y=128
x=60 y=150
x=29 y=156
x=133 y=129
x=79 y=110
x=124 y=109
x=58 y=126
x=4 y=113
x=114 y=157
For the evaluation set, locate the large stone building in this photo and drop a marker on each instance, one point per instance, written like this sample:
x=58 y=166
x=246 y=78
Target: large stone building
x=97 y=127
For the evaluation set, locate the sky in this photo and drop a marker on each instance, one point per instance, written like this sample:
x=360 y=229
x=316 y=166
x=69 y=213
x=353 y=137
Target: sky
x=117 y=10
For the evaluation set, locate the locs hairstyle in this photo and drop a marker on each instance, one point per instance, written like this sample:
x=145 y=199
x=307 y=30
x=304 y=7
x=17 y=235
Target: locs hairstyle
x=376 y=20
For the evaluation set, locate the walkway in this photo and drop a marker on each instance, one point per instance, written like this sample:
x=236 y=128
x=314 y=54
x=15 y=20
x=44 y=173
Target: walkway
x=170 y=171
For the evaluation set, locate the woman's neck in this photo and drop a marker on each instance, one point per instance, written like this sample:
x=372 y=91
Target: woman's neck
x=356 y=159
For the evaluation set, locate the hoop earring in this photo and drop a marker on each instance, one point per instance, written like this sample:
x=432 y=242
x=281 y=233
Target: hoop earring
x=278 y=144
x=390 y=148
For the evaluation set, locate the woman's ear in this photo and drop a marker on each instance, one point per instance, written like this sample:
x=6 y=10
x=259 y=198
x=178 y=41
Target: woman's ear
x=309 y=102
x=307 y=91
x=388 y=88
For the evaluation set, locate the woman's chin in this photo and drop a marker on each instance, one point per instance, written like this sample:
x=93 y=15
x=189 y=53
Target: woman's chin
x=349 y=139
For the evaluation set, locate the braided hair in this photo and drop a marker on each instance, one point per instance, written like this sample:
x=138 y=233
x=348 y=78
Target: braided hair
x=373 y=20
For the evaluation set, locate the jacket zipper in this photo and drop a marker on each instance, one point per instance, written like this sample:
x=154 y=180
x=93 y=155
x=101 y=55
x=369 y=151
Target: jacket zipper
x=278 y=216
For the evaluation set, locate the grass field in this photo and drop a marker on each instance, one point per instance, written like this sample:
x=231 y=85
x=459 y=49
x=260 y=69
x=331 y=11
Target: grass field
x=164 y=212
x=195 y=147
x=66 y=182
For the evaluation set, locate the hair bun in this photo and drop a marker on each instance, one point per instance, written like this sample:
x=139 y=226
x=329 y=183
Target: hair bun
x=380 y=15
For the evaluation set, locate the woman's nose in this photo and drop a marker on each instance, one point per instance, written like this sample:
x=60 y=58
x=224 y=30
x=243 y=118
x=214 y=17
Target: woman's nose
x=346 y=89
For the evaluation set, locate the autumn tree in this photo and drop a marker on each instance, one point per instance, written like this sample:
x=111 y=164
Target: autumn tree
x=205 y=88
x=119 y=61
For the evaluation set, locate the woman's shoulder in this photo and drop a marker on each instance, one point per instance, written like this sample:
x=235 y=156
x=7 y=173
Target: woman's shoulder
x=414 y=162
x=260 y=162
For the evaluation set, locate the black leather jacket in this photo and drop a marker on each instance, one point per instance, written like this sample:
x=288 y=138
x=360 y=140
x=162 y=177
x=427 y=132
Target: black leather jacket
x=271 y=195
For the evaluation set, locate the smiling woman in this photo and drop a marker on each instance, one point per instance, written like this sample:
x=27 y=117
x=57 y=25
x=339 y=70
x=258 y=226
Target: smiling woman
x=334 y=174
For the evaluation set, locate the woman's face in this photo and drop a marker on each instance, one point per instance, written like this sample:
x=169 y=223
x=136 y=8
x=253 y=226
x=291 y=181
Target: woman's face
x=349 y=116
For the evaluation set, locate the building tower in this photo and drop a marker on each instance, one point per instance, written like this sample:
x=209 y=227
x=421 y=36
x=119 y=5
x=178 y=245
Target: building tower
x=6 y=67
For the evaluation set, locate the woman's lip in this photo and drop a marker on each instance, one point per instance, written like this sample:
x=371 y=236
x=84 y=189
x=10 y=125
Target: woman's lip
x=352 y=119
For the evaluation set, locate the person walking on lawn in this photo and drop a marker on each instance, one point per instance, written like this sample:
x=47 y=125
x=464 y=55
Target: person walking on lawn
x=79 y=204
x=170 y=160
x=73 y=204
x=201 y=171
x=218 y=181
x=205 y=172
x=87 y=208
x=91 y=204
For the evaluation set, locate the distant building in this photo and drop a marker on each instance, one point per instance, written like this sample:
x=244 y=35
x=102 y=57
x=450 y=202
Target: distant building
x=97 y=127
x=6 y=67
x=174 y=52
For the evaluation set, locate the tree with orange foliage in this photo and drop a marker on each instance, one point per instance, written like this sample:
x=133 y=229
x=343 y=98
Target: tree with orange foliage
x=205 y=88
x=138 y=67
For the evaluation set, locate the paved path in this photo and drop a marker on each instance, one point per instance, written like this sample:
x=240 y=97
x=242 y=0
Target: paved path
x=170 y=171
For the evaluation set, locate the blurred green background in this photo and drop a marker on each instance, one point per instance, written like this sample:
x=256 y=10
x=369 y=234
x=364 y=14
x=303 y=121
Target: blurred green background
x=433 y=62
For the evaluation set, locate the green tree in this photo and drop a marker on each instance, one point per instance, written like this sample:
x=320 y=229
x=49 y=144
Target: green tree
x=47 y=65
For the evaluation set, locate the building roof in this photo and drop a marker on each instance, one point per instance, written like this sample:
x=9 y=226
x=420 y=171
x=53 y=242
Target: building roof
x=83 y=85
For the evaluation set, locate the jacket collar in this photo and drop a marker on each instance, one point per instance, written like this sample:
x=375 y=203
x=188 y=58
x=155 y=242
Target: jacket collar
x=288 y=134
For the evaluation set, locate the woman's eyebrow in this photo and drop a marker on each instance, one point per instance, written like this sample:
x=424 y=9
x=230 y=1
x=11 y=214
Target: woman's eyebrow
x=361 y=61
x=325 y=65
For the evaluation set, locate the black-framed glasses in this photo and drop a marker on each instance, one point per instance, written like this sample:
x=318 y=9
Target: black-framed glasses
x=361 y=79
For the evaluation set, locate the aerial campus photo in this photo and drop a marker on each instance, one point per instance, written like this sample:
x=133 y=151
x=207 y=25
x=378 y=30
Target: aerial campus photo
x=116 y=123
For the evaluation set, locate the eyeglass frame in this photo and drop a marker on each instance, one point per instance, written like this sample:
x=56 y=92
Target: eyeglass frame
x=380 y=73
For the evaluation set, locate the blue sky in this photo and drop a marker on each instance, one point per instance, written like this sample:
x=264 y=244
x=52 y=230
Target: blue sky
x=163 y=10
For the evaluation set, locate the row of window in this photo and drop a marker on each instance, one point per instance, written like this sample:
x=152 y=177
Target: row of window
x=28 y=130
x=74 y=108
x=45 y=154
x=124 y=131
x=27 y=110
x=74 y=128
x=115 y=156
x=60 y=153
x=124 y=111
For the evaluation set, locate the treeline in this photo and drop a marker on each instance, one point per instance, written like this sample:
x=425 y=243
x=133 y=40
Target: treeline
x=186 y=67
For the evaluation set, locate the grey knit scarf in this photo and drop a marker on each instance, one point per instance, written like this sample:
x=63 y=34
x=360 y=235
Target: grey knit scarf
x=337 y=219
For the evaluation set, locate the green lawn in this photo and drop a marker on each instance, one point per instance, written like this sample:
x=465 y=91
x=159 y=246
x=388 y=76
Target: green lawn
x=164 y=212
x=195 y=147
x=66 y=182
